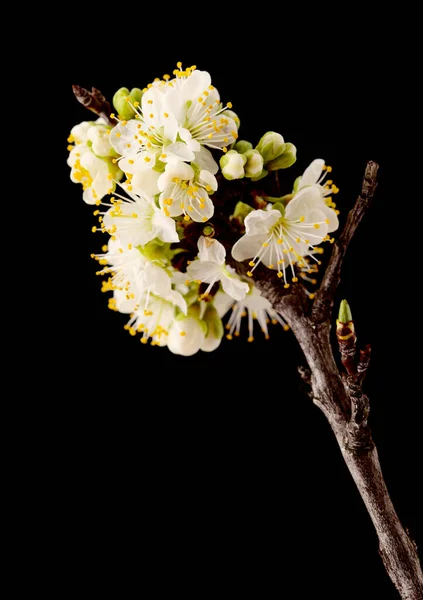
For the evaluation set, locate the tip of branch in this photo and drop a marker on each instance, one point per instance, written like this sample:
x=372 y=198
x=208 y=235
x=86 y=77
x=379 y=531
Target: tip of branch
x=372 y=169
x=370 y=178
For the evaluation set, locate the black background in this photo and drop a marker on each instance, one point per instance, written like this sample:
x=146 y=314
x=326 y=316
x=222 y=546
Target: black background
x=217 y=467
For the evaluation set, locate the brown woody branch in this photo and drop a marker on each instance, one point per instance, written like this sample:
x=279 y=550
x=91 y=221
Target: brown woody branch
x=323 y=304
x=342 y=400
x=94 y=101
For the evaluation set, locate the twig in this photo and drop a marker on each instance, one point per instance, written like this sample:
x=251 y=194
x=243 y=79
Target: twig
x=323 y=304
x=94 y=101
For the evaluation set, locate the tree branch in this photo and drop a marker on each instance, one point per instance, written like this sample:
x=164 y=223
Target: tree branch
x=342 y=400
x=323 y=304
x=94 y=101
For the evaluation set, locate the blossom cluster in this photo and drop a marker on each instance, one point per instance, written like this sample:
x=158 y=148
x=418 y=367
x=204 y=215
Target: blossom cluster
x=184 y=201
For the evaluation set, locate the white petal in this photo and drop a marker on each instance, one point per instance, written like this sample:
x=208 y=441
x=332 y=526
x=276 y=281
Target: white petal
x=211 y=343
x=203 y=207
x=248 y=246
x=236 y=288
x=222 y=303
x=178 y=300
x=331 y=217
x=306 y=199
x=207 y=272
x=178 y=151
x=145 y=182
x=123 y=303
x=164 y=227
x=175 y=208
x=79 y=132
x=88 y=196
x=156 y=278
x=186 y=336
x=170 y=127
x=260 y=221
x=204 y=160
x=195 y=85
x=312 y=174
x=101 y=185
x=181 y=170
x=210 y=250
x=208 y=179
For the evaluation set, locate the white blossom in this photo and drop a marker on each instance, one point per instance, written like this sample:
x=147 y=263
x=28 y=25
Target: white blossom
x=210 y=267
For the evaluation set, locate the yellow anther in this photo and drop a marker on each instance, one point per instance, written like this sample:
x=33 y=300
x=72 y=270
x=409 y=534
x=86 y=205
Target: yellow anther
x=224 y=149
x=286 y=285
x=252 y=263
x=251 y=339
x=271 y=266
x=229 y=104
x=280 y=274
x=229 y=337
x=118 y=134
x=94 y=229
x=265 y=245
x=294 y=279
x=166 y=115
x=249 y=274
x=316 y=226
x=187 y=218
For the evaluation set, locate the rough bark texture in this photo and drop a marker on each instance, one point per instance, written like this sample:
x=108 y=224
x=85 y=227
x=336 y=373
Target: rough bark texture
x=343 y=402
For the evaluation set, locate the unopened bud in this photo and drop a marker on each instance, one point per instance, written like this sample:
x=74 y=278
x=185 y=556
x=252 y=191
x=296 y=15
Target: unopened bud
x=254 y=165
x=345 y=315
x=208 y=230
x=242 y=146
x=232 y=165
x=285 y=160
x=271 y=146
x=125 y=102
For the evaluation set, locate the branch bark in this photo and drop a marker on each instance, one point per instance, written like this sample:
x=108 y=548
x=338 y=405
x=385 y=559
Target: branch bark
x=343 y=402
x=323 y=304
x=95 y=102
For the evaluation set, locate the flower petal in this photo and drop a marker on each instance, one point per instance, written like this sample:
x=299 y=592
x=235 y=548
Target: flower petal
x=164 y=227
x=260 y=221
x=233 y=286
x=313 y=173
x=210 y=250
x=305 y=200
x=204 y=160
x=145 y=182
x=208 y=179
x=178 y=151
x=207 y=272
x=248 y=246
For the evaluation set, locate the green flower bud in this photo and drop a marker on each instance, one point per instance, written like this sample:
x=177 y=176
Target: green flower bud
x=232 y=165
x=241 y=211
x=208 y=230
x=285 y=160
x=261 y=176
x=271 y=146
x=123 y=99
x=242 y=146
x=254 y=164
x=345 y=315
